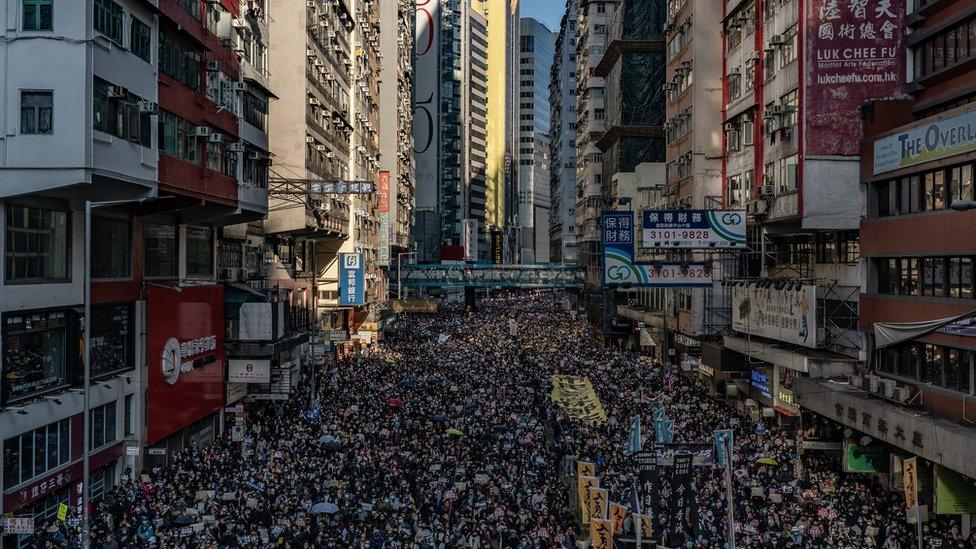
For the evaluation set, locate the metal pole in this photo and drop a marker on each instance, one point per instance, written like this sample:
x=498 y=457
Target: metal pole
x=918 y=525
x=87 y=381
x=399 y=278
x=728 y=489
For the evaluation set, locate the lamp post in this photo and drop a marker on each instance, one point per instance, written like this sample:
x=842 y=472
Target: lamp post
x=86 y=393
x=399 y=275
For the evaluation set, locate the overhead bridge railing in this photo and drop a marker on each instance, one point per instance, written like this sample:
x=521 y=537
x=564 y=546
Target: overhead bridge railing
x=491 y=276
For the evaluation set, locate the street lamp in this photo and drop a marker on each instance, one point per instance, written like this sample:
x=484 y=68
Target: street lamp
x=86 y=393
x=399 y=275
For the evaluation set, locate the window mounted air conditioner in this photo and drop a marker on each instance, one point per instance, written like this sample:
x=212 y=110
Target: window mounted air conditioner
x=215 y=138
x=201 y=131
x=116 y=92
x=213 y=66
x=235 y=147
x=149 y=107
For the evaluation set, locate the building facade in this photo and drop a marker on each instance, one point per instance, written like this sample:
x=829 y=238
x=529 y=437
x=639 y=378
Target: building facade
x=536 y=47
x=562 y=141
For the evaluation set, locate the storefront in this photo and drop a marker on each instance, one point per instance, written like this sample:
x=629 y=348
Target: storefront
x=185 y=350
x=40 y=352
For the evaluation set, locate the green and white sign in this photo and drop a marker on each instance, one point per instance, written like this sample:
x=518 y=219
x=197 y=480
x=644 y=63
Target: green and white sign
x=926 y=142
x=866 y=459
x=954 y=493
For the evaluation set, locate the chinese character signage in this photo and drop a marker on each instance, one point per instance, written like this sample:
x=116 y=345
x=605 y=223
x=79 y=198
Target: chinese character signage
x=926 y=142
x=385 y=228
x=854 y=53
x=788 y=315
x=694 y=229
x=760 y=382
x=910 y=474
x=619 y=266
x=351 y=279
x=342 y=187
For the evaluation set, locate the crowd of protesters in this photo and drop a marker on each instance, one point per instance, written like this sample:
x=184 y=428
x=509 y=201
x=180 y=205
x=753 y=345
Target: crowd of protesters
x=444 y=435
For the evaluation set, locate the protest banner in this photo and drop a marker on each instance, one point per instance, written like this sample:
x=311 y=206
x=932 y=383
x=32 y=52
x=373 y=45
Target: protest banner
x=598 y=503
x=575 y=396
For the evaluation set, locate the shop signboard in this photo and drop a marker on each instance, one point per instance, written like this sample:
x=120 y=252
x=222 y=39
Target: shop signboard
x=954 y=493
x=249 y=371
x=760 y=382
x=788 y=314
x=691 y=229
x=185 y=353
x=342 y=187
x=854 y=52
x=866 y=459
x=786 y=400
x=351 y=279
x=925 y=142
x=235 y=392
x=497 y=247
x=132 y=450
x=620 y=267
x=18 y=525
x=383 y=254
x=338 y=336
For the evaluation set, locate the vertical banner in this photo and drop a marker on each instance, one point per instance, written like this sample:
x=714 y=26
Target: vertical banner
x=723 y=445
x=585 y=469
x=385 y=228
x=598 y=503
x=634 y=444
x=497 y=247
x=910 y=468
x=644 y=524
x=663 y=431
x=854 y=52
x=618 y=513
x=351 y=279
x=583 y=487
x=469 y=239
x=426 y=103
x=647 y=481
x=681 y=488
x=601 y=534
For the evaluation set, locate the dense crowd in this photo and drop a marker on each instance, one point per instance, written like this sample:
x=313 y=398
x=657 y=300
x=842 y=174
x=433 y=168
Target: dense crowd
x=444 y=435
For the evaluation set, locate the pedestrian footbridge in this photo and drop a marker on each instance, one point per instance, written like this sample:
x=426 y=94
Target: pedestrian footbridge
x=490 y=276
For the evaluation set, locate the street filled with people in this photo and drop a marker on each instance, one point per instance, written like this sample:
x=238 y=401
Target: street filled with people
x=445 y=435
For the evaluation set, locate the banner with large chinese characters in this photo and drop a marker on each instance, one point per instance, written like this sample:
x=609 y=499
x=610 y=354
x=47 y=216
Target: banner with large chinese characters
x=575 y=395
x=788 y=314
x=854 y=52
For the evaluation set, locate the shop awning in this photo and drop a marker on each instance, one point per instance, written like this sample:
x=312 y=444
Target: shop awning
x=893 y=333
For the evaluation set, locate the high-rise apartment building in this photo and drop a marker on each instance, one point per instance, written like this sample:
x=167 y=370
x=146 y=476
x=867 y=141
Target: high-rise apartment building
x=396 y=127
x=562 y=141
x=476 y=120
x=792 y=140
x=536 y=50
x=327 y=59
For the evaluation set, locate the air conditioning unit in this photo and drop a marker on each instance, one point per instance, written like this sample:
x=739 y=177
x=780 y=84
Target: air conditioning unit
x=235 y=147
x=319 y=63
x=330 y=154
x=238 y=23
x=320 y=147
x=148 y=107
x=309 y=139
x=872 y=383
x=773 y=110
x=254 y=155
x=767 y=189
x=215 y=138
x=777 y=40
x=238 y=86
x=201 y=131
x=889 y=386
x=116 y=92
x=230 y=273
x=213 y=66
x=313 y=101
x=903 y=394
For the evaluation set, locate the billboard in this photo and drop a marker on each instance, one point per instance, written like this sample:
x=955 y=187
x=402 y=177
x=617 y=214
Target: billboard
x=351 y=279
x=249 y=371
x=426 y=111
x=954 y=493
x=185 y=356
x=383 y=255
x=619 y=266
x=694 y=228
x=497 y=247
x=788 y=315
x=926 y=142
x=854 y=52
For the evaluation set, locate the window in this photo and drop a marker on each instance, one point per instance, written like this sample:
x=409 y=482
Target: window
x=787 y=181
x=735 y=190
x=256 y=111
x=112 y=342
x=117 y=113
x=735 y=87
x=179 y=61
x=102 y=421
x=788 y=52
x=176 y=137
x=927 y=276
x=127 y=411
x=111 y=243
x=160 y=244
x=36 y=354
x=38 y=15
x=199 y=252
x=192 y=7
x=947 y=48
x=789 y=102
x=747 y=131
x=36 y=112
x=932 y=372
x=140 y=40
x=37 y=244
x=36 y=452
x=108 y=20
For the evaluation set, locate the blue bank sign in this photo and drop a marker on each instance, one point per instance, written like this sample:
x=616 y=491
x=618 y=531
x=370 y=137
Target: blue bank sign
x=351 y=279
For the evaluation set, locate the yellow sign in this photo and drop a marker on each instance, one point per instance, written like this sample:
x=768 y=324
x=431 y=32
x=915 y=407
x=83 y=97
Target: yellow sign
x=601 y=534
x=575 y=395
x=62 y=511
x=598 y=503
x=585 y=469
x=618 y=513
x=910 y=469
x=583 y=486
x=646 y=526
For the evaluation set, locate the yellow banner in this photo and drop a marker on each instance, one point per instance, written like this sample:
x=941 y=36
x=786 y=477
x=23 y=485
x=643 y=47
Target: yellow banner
x=601 y=534
x=618 y=513
x=598 y=503
x=585 y=469
x=646 y=526
x=910 y=469
x=575 y=395
x=583 y=486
